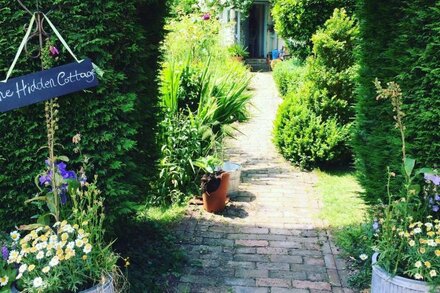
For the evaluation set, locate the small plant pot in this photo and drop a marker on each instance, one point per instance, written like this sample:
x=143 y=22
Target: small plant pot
x=238 y=58
x=215 y=202
x=383 y=282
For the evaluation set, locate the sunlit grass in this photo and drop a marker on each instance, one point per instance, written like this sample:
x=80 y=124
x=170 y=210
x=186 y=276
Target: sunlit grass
x=163 y=215
x=340 y=194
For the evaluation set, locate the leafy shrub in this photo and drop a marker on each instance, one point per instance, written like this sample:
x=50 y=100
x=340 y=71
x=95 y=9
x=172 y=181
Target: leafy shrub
x=303 y=137
x=288 y=76
x=181 y=145
x=399 y=41
x=114 y=119
x=297 y=20
x=325 y=97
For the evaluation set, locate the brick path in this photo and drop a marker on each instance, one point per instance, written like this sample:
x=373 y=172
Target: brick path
x=269 y=238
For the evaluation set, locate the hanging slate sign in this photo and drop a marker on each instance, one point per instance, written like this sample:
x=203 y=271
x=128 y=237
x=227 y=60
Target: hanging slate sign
x=41 y=86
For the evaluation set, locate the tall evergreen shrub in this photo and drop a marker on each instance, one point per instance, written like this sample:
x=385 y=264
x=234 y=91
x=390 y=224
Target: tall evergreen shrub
x=400 y=42
x=115 y=119
x=313 y=123
x=297 y=20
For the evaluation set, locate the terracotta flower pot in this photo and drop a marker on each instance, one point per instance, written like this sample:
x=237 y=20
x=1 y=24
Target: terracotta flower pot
x=215 y=202
x=238 y=58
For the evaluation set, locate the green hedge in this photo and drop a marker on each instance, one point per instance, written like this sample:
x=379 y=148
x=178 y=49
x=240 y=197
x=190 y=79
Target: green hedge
x=288 y=75
x=400 y=42
x=297 y=20
x=115 y=119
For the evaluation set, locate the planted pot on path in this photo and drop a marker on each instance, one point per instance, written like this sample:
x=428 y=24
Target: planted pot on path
x=215 y=195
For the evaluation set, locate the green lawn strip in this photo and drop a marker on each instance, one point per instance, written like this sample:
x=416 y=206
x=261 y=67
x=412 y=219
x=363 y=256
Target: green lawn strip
x=345 y=214
x=339 y=193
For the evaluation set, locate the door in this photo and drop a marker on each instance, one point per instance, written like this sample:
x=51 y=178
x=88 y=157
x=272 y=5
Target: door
x=256 y=31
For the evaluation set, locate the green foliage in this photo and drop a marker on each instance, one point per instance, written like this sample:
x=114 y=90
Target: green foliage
x=303 y=137
x=180 y=146
x=208 y=164
x=115 y=119
x=297 y=20
x=206 y=92
x=237 y=50
x=314 y=121
x=354 y=241
x=400 y=42
x=288 y=75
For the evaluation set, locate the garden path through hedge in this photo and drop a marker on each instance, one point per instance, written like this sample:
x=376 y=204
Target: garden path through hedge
x=269 y=238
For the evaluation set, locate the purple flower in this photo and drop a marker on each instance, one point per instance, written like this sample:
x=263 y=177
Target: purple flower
x=68 y=175
x=437 y=197
x=45 y=179
x=435 y=179
x=435 y=208
x=375 y=226
x=5 y=253
x=53 y=51
x=206 y=16
x=62 y=166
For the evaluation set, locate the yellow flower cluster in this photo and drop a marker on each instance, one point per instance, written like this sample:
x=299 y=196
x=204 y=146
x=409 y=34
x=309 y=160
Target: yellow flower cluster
x=423 y=241
x=44 y=248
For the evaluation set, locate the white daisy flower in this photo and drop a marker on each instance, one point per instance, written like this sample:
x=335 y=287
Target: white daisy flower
x=38 y=282
x=15 y=236
x=22 y=268
x=54 y=261
x=4 y=281
x=363 y=256
x=79 y=243
x=87 y=248
x=40 y=255
x=71 y=245
x=13 y=255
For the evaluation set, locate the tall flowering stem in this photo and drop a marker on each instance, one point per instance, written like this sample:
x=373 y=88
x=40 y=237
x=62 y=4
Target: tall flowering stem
x=394 y=93
x=51 y=114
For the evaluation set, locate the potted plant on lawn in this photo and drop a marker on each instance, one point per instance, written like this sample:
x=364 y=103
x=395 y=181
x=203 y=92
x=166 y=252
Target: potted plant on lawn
x=238 y=52
x=214 y=184
x=408 y=245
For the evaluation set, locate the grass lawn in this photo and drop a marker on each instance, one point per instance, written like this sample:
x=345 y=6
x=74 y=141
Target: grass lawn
x=339 y=193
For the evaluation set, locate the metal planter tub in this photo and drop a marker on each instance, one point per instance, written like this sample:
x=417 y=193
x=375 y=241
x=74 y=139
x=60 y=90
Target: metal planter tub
x=382 y=282
x=235 y=176
x=106 y=287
